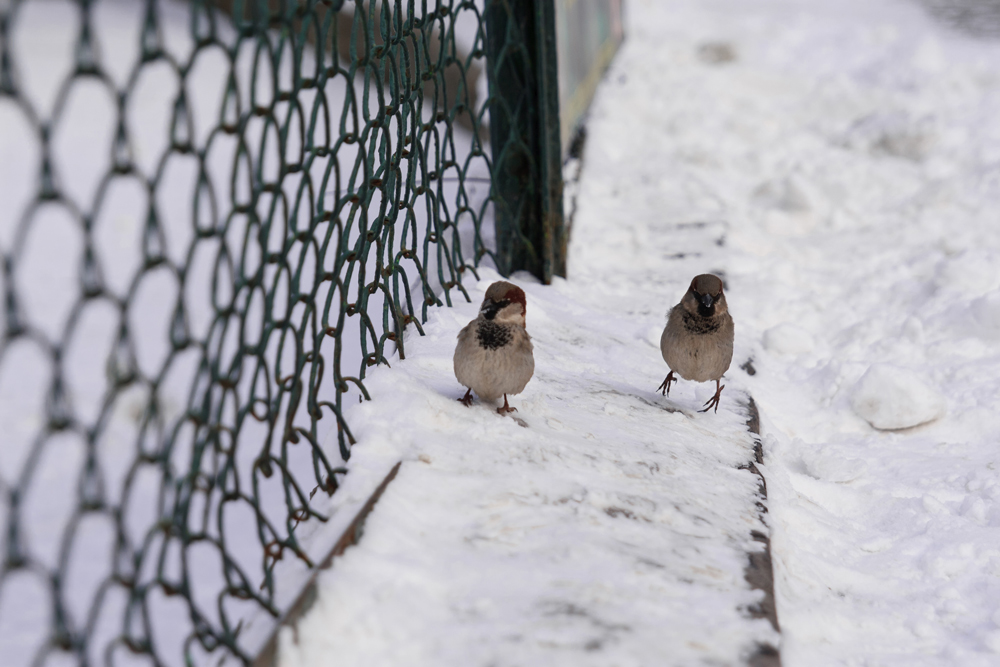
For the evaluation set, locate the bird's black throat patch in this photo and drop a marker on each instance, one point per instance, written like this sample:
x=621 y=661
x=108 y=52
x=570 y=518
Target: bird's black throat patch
x=699 y=324
x=491 y=335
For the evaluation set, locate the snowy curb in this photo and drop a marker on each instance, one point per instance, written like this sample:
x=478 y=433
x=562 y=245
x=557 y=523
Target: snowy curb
x=267 y=654
x=760 y=571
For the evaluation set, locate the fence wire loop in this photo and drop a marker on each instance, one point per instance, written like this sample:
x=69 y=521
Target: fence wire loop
x=280 y=190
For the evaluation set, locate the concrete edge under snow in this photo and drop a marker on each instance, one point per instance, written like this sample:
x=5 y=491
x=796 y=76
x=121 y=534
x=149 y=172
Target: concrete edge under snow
x=760 y=570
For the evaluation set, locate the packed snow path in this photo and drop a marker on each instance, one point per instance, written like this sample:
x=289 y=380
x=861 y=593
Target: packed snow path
x=612 y=527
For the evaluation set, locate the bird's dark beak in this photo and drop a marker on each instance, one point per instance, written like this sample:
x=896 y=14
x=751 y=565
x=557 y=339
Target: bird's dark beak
x=707 y=300
x=491 y=308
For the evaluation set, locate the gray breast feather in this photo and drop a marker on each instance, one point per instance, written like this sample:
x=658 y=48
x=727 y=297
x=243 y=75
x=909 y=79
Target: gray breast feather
x=494 y=371
x=697 y=350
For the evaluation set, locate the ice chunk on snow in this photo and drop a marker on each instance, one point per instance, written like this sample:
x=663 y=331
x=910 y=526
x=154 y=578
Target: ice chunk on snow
x=889 y=397
x=788 y=339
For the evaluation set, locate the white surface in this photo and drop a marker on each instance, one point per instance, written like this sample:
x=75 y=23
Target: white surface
x=892 y=398
x=853 y=150
x=849 y=155
x=609 y=530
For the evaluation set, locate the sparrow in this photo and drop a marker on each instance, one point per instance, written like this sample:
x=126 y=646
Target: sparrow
x=697 y=342
x=494 y=354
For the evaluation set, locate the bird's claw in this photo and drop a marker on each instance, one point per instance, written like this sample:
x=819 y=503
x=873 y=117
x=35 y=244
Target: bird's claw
x=467 y=399
x=666 y=383
x=506 y=409
x=714 y=401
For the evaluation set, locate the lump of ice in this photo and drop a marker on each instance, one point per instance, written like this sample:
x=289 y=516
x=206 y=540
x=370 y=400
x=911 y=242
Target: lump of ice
x=889 y=397
x=788 y=339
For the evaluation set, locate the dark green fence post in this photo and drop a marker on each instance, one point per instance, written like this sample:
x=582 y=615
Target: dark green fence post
x=524 y=134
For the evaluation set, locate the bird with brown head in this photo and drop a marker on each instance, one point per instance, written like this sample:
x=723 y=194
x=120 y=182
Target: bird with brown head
x=494 y=356
x=697 y=342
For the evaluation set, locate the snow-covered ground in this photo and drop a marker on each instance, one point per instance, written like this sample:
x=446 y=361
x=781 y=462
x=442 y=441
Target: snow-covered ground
x=610 y=528
x=849 y=156
x=853 y=150
x=838 y=163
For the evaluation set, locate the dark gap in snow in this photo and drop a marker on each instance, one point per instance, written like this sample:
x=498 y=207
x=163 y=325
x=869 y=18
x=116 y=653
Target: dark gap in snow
x=759 y=572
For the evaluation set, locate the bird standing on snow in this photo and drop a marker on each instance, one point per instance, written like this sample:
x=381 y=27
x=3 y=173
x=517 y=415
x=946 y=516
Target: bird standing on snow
x=697 y=342
x=494 y=354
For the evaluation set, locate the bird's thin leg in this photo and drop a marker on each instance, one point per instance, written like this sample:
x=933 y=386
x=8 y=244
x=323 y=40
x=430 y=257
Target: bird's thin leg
x=715 y=399
x=666 y=383
x=467 y=399
x=506 y=409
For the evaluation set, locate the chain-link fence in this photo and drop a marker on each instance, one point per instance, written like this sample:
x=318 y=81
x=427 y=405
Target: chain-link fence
x=214 y=220
x=979 y=18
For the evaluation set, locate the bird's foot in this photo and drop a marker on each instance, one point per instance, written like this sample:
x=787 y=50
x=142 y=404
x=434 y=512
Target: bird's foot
x=714 y=401
x=666 y=383
x=710 y=403
x=467 y=399
x=506 y=409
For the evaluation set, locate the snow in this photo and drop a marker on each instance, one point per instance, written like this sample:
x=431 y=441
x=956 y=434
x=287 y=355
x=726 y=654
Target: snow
x=788 y=339
x=838 y=164
x=889 y=397
x=852 y=152
x=841 y=171
x=604 y=525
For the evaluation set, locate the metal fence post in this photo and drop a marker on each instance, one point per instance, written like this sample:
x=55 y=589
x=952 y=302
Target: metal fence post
x=525 y=137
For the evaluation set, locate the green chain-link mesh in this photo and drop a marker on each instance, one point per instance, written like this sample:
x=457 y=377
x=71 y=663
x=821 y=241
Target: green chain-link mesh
x=170 y=412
